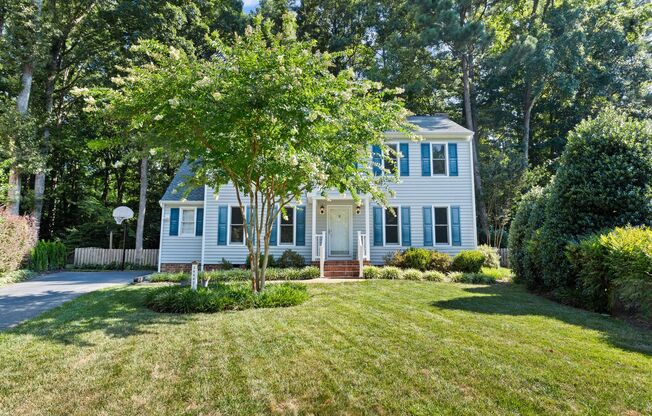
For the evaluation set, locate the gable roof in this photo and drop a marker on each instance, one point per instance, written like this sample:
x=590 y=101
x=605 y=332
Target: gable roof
x=177 y=190
x=437 y=125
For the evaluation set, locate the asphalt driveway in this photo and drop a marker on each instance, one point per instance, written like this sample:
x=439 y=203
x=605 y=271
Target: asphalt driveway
x=25 y=300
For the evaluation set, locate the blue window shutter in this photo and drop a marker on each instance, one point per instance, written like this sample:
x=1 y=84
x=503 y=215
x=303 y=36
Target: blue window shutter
x=174 y=221
x=222 y=219
x=425 y=159
x=404 y=148
x=427 y=226
x=456 y=226
x=406 y=233
x=452 y=159
x=273 y=238
x=300 y=227
x=378 y=226
x=377 y=159
x=199 y=223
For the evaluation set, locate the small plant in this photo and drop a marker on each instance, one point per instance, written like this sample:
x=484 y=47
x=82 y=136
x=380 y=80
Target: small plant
x=468 y=261
x=434 y=276
x=412 y=274
x=454 y=276
x=270 y=261
x=394 y=259
x=371 y=272
x=416 y=258
x=168 y=277
x=390 y=273
x=226 y=265
x=291 y=258
x=440 y=262
x=491 y=257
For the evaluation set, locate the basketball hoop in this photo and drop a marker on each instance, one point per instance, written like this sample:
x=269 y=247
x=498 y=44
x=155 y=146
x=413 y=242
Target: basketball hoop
x=122 y=213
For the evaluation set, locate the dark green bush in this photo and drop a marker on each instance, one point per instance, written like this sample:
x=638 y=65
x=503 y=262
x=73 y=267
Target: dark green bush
x=270 y=261
x=416 y=258
x=440 y=262
x=491 y=256
x=614 y=271
x=468 y=261
x=394 y=259
x=291 y=258
x=48 y=255
x=220 y=297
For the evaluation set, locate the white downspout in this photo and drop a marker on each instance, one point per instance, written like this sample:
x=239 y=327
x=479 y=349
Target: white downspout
x=203 y=230
x=314 y=229
x=160 y=241
x=366 y=225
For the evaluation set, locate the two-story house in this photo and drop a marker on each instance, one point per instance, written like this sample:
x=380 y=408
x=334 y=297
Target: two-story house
x=434 y=207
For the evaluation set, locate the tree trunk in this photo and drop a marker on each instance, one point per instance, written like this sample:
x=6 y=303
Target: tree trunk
x=481 y=207
x=142 y=205
x=527 y=116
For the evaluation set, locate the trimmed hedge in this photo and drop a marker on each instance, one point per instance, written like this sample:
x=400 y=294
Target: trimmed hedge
x=221 y=297
x=468 y=261
x=239 y=275
x=614 y=271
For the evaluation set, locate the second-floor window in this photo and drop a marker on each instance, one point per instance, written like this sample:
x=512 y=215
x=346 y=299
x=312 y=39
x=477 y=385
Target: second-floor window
x=287 y=227
x=438 y=159
x=390 y=161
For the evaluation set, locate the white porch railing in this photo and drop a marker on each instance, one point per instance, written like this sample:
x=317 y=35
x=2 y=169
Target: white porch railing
x=363 y=241
x=319 y=250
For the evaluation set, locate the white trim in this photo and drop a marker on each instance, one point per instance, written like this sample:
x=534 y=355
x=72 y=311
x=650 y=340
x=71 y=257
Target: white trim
x=400 y=231
x=446 y=161
x=160 y=241
x=448 y=224
x=228 y=226
x=473 y=214
x=431 y=135
x=328 y=240
x=194 y=222
x=203 y=232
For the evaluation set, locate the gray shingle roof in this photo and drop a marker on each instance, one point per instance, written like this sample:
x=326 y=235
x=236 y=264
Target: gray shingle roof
x=177 y=191
x=437 y=125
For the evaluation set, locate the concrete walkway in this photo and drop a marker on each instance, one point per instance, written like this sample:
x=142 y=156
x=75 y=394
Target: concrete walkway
x=25 y=300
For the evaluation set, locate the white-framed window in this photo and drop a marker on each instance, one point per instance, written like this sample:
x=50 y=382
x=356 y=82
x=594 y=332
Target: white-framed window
x=439 y=159
x=441 y=223
x=390 y=160
x=187 y=222
x=236 y=225
x=287 y=227
x=392 y=226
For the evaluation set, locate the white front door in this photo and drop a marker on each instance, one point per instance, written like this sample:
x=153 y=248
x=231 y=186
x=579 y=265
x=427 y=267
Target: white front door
x=339 y=231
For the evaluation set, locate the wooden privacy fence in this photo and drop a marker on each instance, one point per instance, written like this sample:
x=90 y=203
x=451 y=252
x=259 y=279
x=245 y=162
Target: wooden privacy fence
x=504 y=257
x=92 y=256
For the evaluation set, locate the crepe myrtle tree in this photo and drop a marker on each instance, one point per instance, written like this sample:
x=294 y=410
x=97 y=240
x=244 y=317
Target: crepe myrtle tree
x=264 y=113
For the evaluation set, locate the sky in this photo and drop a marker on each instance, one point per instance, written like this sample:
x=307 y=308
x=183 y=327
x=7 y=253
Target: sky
x=250 y=5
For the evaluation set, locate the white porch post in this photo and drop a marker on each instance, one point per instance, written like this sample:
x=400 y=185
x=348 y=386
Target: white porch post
x=314 y=229
x=366 y=226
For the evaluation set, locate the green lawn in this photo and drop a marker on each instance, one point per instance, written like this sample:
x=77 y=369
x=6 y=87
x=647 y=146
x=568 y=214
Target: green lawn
x=375 y=347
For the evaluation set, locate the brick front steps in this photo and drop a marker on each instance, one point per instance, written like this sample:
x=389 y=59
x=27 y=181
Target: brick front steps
x=341 y=269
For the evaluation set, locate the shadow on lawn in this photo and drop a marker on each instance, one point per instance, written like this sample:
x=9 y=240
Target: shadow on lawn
x=118 y=313
x=511 y=299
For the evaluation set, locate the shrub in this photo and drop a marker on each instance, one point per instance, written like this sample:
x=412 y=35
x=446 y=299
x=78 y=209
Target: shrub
x=434 y=276
x=416 y=258
x=291 y=258
x=454 y=276
x=272 y=273
x=168 y=277
x=390 y=272
x=48 y=255
x=17 y=237
x=473 y=278
x=15 y=276
x=614 y=271
x=371 y=272
x=440 y=262
x=270 y=261
x=500 y=273
x=226 y=265
x=220 y=297
x=394 y=259
x=412 y=274
x=468 y=261
x=491 y=256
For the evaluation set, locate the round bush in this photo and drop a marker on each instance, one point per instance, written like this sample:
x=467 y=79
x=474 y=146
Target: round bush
x=491 y=256
x=371 y=272
x=291 y=258
x=220 y=297
x=390 y=273
x=440 y=262
x=416 y=258
x=468 y=261
x=434 y=276
x=411 y=274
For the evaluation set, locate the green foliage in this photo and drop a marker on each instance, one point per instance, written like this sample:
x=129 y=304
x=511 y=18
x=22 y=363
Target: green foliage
x=416 y=258
x=394 y=259
x=491 y=256
x=412 y=274
x=239 y=275
x=48 y=255
x=468 y=261
x=472 y=278
x=390 y=273
x=221 y=297
x=501 y=273
x=16 y=240
x=15 y=276
x=270 y=261
x=168 y=277
x=614 y=271
x=291 y=258
x=225 y=264
x=371 y=272
x=440 y=262
x=434 y=276
x=419 y=258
